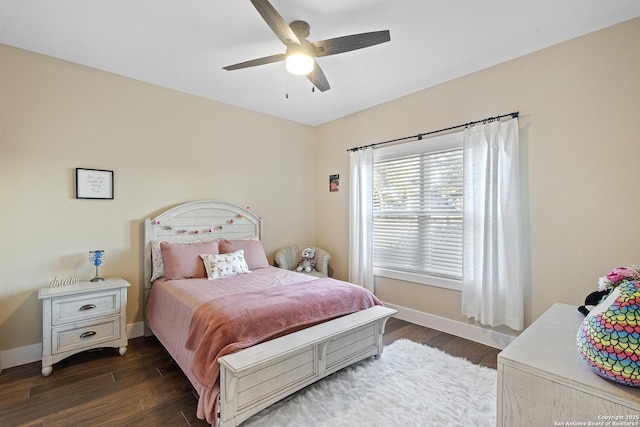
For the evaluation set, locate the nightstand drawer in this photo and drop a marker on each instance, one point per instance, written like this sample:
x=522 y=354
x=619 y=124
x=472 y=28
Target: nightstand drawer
x=81 y=307
x=84 y=335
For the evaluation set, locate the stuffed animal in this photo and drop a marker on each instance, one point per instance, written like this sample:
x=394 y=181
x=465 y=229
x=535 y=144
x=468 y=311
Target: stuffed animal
x=593 y=299
x=307 y=263
x=609 y=337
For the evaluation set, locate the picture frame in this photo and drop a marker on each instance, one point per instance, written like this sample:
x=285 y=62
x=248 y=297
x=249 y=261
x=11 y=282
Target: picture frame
x=94 y=184
x=334 y=183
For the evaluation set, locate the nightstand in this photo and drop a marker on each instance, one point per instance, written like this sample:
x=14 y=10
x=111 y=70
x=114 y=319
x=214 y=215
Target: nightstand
x=81 y=317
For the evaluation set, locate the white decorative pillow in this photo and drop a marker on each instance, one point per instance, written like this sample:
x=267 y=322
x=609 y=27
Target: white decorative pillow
x=157 y=269
x=223 y=265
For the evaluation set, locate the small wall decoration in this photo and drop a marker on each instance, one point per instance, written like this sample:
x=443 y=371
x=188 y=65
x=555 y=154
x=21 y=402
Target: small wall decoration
x=334 y=183
x=94 y=184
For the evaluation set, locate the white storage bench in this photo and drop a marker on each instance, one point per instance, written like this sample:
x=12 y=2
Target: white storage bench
x=259 y=376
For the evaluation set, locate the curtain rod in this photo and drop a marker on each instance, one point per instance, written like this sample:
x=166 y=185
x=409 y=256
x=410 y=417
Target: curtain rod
x=420 y=135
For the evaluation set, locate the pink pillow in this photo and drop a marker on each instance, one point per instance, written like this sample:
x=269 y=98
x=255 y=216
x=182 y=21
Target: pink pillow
x=182 y=260
x=253 y=252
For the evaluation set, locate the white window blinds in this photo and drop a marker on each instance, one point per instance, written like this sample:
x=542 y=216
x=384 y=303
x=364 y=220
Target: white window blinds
x=417 y=207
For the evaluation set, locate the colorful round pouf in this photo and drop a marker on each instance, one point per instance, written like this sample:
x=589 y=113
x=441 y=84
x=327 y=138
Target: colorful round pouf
x=609 y=337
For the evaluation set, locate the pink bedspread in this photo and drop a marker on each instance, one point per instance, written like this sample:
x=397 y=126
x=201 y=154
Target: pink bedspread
x=237 y=320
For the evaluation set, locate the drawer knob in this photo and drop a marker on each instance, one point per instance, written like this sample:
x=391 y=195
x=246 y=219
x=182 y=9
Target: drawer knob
x=87 y=307
x=87 y=334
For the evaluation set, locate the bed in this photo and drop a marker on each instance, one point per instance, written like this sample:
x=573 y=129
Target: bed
x=246 y=334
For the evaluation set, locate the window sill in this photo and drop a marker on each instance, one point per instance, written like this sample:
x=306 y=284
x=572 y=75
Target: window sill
x=421 y=279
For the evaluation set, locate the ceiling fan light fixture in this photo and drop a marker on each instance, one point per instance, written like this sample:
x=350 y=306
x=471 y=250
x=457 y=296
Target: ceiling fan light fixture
x=299 y=63
x=300 y=55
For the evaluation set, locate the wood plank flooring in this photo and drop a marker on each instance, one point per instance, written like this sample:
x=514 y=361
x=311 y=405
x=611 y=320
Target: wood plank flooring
x=145 y=387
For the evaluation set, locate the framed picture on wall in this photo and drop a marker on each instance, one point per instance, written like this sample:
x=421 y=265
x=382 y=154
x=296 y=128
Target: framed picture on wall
x=94 y=184
x=334 y=183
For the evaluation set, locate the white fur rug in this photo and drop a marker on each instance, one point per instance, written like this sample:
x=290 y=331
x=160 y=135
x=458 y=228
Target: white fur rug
x=410 y=385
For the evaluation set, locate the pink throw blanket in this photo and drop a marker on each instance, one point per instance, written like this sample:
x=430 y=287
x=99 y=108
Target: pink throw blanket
x=232 y=323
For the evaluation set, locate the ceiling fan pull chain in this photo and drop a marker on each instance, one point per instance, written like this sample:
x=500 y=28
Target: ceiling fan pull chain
x=286 y=90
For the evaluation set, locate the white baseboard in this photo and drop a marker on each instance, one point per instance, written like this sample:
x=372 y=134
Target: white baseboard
x=20 y=356
x=471 y=332
x=33 y=353
x=135 y=330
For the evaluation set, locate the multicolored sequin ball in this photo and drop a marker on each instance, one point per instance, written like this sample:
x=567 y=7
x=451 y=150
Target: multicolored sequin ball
x=610 y=341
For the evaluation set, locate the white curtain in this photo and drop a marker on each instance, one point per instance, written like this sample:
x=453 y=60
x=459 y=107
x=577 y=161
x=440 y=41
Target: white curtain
x=492 y=282
x=361 y=218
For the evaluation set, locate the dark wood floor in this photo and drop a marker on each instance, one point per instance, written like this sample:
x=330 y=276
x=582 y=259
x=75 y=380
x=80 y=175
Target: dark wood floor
x=145 y=387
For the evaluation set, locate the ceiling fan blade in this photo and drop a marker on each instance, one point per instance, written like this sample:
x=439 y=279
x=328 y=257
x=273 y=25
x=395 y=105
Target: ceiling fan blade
x=318 y=78
x=256 y=62
x=352 y=42
x=276 y=22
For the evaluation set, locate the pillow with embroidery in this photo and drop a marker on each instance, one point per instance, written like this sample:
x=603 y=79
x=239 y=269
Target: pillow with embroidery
x=223 y=265
x=157 y=264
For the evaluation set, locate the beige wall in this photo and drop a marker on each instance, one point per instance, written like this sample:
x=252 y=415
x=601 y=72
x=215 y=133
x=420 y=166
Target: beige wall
x=579 y=113
x=164 y=147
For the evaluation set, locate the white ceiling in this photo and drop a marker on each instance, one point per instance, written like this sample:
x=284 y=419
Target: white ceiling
x=183 y=45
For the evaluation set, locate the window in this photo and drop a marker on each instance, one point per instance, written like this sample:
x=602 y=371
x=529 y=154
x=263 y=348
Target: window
x=417 y=211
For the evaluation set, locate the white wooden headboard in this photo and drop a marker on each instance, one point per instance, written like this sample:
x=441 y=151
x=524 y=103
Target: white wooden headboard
x=200 y=220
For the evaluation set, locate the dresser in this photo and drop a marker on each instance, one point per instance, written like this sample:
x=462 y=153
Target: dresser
x=542 y=381
x=81 y=317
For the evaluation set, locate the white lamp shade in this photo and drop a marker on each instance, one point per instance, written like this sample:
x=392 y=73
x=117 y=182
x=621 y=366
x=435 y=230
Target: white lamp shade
x=299 y=63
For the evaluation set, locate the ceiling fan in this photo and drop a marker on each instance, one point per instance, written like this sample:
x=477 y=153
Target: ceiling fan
x=301 y=53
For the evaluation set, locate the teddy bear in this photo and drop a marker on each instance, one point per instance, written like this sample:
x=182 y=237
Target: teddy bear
x=307 y=262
